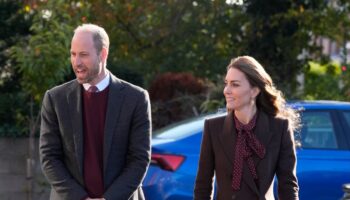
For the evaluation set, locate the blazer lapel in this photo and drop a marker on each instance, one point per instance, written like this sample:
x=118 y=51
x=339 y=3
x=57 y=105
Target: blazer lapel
x=228 y=137
x=262 y=132
x=228 y=140
x=115 y=101
x=246 y=174
x=74 y=100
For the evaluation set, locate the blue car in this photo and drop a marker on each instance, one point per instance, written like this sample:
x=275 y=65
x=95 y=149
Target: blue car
x=323 y=154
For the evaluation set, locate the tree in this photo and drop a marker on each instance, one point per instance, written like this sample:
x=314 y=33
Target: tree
x=14 y=25
x=153 y=37
x=149 y=38
x=322 y=82
x=159 y=36
x=276 y=37
x=43 y=59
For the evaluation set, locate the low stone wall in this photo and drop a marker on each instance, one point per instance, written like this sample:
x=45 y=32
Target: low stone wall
x=14 y=184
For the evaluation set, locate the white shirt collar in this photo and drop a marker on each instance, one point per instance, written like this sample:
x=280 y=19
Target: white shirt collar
x=101 y=85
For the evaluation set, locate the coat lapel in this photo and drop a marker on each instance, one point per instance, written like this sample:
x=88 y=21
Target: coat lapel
x=74 y=100
x=228 y=140
x=262 y=132
x=115 y=101
x=228 y=137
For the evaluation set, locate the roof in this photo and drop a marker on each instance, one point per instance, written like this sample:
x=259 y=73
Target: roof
x=321 y=104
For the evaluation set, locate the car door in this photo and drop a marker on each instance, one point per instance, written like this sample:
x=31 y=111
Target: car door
x=323 y=158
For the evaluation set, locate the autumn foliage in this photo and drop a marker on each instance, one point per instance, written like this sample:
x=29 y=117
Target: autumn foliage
x=169 y=85
x=175 y=96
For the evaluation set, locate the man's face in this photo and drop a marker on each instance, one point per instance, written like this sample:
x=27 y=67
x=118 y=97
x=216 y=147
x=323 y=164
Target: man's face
x=86 y=63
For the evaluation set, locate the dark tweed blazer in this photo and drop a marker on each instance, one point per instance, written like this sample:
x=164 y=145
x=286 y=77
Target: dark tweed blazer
x=126 y=141
x=217 y=155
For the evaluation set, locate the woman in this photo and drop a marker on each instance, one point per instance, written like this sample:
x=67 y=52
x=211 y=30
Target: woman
x=252 y=143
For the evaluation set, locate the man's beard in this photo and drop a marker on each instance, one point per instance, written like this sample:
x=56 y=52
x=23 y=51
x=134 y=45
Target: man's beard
x=91 y=73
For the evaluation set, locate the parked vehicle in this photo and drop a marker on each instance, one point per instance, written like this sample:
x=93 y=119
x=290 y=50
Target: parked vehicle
x=346 y=189
x=323 y=154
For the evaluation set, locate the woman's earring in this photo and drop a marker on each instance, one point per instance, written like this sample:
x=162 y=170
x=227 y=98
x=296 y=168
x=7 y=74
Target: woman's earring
x=252 y=99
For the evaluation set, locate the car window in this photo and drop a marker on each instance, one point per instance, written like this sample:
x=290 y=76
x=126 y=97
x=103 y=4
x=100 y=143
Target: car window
x=347 y=117
x=184 y=128
x=180 y=130
x=317 y=130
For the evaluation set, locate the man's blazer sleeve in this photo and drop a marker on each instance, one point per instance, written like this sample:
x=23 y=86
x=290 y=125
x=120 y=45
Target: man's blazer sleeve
x=51 y=154
x=139 y=152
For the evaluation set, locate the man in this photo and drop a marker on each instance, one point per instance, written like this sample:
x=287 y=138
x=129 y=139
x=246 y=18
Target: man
x=95 y=130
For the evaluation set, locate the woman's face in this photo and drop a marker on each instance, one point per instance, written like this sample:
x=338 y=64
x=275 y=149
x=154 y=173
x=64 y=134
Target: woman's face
x=239 y=94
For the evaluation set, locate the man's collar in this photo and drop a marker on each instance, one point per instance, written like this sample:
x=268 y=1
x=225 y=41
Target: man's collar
x=100 y=85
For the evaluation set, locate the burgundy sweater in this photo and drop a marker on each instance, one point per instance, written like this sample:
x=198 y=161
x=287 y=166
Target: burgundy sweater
x=94 y=115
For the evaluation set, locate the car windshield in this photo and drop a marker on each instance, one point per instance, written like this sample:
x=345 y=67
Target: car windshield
x=182 y=129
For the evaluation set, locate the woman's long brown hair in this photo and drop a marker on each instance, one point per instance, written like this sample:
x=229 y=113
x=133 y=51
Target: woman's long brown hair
x=270 y=99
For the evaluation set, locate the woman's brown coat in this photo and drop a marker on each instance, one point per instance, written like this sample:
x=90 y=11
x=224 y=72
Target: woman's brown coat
x=217 y=155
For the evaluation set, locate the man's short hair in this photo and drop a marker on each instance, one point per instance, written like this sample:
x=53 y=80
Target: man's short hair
x=99 y=35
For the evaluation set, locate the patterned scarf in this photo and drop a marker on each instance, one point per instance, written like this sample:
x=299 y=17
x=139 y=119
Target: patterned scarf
x=246 y=145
